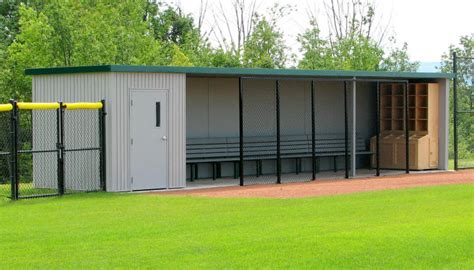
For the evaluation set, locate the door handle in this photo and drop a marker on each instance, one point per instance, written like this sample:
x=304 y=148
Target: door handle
x=164 y=138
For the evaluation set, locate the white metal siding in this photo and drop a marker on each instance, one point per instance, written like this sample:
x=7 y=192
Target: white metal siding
x=175 y=83
x=72 y=88
x=114 y=88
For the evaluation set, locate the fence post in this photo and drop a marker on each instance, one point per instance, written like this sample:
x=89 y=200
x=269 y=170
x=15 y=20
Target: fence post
x=407 y=131
x=346 y=133
x=455 y=110
x=278 y=153
x=313 y=134
x=102 y=137
x=14 y=151
x=60 y=147
x=377 y=131
x=241 y=133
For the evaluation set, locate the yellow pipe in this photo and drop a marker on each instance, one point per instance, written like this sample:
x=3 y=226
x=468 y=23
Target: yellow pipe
x=83 y=105
x=37 y=106
x=6 y=107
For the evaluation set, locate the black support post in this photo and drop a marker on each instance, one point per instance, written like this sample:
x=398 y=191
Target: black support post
x=102 y=136
x=407 y=131
x=60 y=147
x=241 y=133
x=455 y=111
x=377 y=130
x=346 y=133
x=278 y=153
x=313 y=133
x=14 y=177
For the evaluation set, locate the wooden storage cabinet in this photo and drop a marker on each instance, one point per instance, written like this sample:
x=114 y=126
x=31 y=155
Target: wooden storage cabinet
x=423 y=100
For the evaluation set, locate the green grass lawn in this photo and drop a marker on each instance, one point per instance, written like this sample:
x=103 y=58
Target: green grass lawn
x=423 y=228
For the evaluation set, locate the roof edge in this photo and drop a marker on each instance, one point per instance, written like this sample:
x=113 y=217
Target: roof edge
x=236 y=71
x=67 y=70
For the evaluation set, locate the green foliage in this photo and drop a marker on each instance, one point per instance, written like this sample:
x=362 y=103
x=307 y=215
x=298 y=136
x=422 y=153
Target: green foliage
x=65 y=33
x=315 y=49
x=31 y=48
x=181 y=39
x=51 y=33
x=221 y=58
x=351 y=52
x=465 y=89
x=421 y=228
x=352 y=42
x=179 y=58
x=398 y=60
x=265 y=47
x=172 y=26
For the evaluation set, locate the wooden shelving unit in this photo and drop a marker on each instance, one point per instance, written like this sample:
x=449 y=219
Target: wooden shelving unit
x=423 y=100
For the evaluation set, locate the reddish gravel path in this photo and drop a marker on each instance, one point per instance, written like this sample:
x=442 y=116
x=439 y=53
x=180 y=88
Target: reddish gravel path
x=332 y=187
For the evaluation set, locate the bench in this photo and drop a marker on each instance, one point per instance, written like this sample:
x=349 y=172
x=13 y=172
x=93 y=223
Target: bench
x=219 y=150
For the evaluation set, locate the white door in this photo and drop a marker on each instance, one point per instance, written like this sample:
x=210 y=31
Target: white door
x=149 y=139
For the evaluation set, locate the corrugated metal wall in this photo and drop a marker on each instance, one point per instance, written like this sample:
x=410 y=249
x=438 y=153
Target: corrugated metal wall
x=176 y=84
x=73 y=88
x=114 y=88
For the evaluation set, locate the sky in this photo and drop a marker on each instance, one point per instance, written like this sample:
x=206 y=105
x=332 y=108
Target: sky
x=428 y=26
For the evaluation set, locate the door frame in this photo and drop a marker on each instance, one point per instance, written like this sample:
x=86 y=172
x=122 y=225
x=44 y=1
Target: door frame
x=129 y=133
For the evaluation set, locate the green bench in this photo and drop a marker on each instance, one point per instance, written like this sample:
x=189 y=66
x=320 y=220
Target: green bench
x=216 y=151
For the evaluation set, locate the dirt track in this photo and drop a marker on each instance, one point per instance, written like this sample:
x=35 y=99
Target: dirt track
x=333 y=187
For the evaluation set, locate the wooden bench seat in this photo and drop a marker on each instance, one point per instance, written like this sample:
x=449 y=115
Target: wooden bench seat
x=219 y=150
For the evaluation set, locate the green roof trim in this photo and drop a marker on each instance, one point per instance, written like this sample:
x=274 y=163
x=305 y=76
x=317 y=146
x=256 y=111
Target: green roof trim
x=213 y=71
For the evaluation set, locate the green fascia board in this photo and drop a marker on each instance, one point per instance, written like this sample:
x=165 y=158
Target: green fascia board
x=235 y=72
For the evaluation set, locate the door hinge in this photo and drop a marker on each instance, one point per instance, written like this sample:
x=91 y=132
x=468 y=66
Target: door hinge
x=131 y=141
x=131 y=179
x=131 y=102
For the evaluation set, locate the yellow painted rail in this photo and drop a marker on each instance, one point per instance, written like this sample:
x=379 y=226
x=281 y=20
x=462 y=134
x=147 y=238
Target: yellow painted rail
x=52 y=106
x=6 y=107
x=37 y=106
x=83 y=106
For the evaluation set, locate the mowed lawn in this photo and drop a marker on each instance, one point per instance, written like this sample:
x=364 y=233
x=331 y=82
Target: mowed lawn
x=430 y=228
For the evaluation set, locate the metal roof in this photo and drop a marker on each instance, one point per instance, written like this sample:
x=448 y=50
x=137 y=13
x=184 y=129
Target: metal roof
x=235 y=72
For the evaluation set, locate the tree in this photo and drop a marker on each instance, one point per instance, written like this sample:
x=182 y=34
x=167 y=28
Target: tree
x=398 y=60
x=64 y=33
x=31 y=48
x=353 y=41
x=265 y=47
x=233 y=28
x=9 y=19
x=315 y=49
x=465 y=89
x=221 y=58
x=172 y=28
x=354 y=53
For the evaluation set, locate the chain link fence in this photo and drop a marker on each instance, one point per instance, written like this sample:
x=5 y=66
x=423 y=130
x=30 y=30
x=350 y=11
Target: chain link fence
x=50 y=149
x=299 y=130
x=37 y=155
x=82 y=159
x=279 y=125
x=259 y=114
x=5 y=150
x=463 y=107
x=296 y=130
